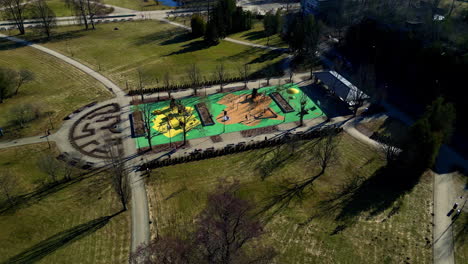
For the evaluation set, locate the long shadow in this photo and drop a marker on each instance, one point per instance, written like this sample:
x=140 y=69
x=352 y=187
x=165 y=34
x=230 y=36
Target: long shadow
x=378 y=192
x=329 y=104
x=165 y=36
x=271 y=55
x=60 y=240
x=179 y=38
x=35 y=196
x=191 y=47
x=254 y=35
x=63 y=36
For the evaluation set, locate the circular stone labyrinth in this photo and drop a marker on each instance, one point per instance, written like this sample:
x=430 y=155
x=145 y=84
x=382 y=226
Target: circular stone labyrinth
x=94 y=132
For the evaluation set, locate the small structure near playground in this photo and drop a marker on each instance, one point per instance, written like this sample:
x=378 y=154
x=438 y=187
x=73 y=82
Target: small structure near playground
x=220 y=113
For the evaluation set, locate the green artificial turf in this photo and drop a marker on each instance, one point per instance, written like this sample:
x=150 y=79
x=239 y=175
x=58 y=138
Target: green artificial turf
x=219 y=127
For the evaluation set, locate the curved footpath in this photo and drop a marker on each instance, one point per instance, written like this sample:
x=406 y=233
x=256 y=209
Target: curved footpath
x=139 y=202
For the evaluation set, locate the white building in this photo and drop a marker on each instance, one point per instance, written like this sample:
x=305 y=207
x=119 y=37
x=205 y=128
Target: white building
x=341 y=87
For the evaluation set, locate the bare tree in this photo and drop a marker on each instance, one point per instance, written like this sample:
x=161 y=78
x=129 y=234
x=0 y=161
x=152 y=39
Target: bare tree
x=147 y=115
x=325 y=153
x=389 y=148
x=14 y=9
x=221 y=75
x=269 y=74
x=185 y=117
x=80 y=9
x=46 y=15
x=244 y=72
x=118 y=173
x=24 y=76
x=24 y=113
x=8 y=185
x=303 y=111
x=193 y=73
x=48 y=164
x=223 y=231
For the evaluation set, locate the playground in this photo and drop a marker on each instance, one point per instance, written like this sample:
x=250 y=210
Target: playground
x=220 y=113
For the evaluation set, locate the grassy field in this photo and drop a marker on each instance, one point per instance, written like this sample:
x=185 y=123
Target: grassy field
x=329 y=226
x=68 y=223
x=154 y=48
x=256 y=35
x=137 y=4
x=58 y=88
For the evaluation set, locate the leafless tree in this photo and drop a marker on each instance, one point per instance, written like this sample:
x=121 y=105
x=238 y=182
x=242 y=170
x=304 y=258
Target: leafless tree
x=223 y=230
x=269 y=74
x=14 y=9
x=140 y=84
x=193 y=73
x=118 y=173
x=325 y=152
x=80 y=9
x=24 y=113
x=48 y=164
x=147 y=115
x=244 y=72
x=7 y=83
x=303 y=111
x=46 y=15
x=8 y=185
x=221 y=75
x=24 y=76
x=185 y=117
x=389 y=148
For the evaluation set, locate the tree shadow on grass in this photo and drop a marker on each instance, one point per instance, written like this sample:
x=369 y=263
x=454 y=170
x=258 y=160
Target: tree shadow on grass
x=60 y=240
x=164 y=38
x=44 y=191
x=254 y=35
x=270 y=55
x=191 y=47
x=63 y=36
x=373 y=195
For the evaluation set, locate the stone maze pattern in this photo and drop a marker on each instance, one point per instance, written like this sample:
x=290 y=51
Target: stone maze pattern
x=97 y=129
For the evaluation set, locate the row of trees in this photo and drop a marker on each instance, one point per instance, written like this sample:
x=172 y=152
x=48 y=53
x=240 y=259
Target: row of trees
x=11 y=81
x=18 y=10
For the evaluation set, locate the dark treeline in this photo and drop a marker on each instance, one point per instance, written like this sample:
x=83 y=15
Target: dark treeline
x=411 y=71
x=224 y=18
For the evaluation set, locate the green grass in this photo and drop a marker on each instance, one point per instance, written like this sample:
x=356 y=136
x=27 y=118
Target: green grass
x=155 y=48
x=303 y=232
x=216 y=110
x=256 y=35
x=58 y=88
x=42 y=225
x=137 y=4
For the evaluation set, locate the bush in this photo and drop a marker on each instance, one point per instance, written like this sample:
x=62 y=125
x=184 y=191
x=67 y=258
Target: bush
x=7 y=83
x=198 y=26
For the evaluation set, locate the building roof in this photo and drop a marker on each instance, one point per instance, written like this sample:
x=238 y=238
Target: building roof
x=340 y=85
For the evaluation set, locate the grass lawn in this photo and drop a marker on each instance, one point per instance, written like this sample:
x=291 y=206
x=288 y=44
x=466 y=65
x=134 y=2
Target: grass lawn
x=154 y=48
x=58 y=87
x=217 y=104
x=256 y=35
x=138 y=4
x=310 y=231
x=66 y=223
